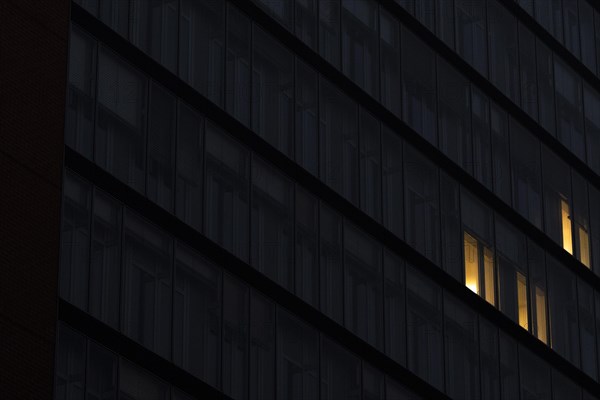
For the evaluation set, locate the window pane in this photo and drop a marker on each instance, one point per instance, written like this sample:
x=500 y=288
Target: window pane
x=538 y=292
x=281 y=10
x=395 y=391
x=154 y=30
x=307 y=247
x=339 y=141
x=227 y=192
x=332 y=278
x=586 y=35
x=114 y=13
x=587 y=329
x=451 y=236
x=592 y=126
x=535 y=376
x=202 y=47
x=363 y=292
x=444 y=18
x=395 y=307
x=307 y=129
x=101 y=374
x=70 y=365
x=297 y=359
x=471 y=33
x=529 y=101
x=340 y=372
x=105 y=271
x=188 y=185
x=137 y=384
x=425 y=12
x=329 y=30
x=370 y=165
x=272 y=227
x=81 y=93
x=393 y=186
x=197 y=316
x=121 y=120
x=557 y=199
x=545 y=74
x=238 y=69
x=424 y=322
x=147 y=288
x=581 y=221
x=389 y=45
x=306 y=22
x=571 y=26
x=569 y=108
x=161 y=133
x=490 y=359
x=373 y=384
x=509 y=368
x=418 y=86
x=503 y=55
x=262 y=348
x=500 y=153
x=595 y=228
x=482 y=152
x=550 y=17
x=563 y=387
x=273 y=91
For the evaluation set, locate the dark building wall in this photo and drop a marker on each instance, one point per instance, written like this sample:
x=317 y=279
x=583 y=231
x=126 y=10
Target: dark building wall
x=33 y=55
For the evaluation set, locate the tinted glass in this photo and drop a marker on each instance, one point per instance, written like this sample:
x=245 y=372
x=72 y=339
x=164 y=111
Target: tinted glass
x=137 y=384
x=592 y=126
x=389 y=45
x=500 y=153
x=238 y=73
x=395 y=307
x=569 y=108
x=340 y=372
x=535 y=376
x=471 y=33
x=332 y=278
x=262 y=348
x=306 y=21
x=101 y=374
x=545 y=76
x=329 y=30
x=70 y=365
x=307 y=247
x=392 y=180
x=482 y=141
x=307 y=128
x=503 y=50
x=370 y=165
x=529 y=101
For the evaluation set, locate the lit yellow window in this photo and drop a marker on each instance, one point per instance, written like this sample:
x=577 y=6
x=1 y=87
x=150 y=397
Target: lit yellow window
x=522 y=300
x=584 y=247
x=566 y=226
x=489 y=276
x=479 y=268
x=540 y=314
x=471 y=263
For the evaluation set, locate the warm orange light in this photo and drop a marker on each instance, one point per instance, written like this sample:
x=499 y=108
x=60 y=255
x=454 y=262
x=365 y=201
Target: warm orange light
x=566 y=226
x=522 y=300
x=489 y=276
x=471 y=263
x=540 y=314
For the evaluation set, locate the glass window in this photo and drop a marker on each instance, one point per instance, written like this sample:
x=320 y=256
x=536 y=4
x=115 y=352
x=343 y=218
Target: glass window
x=75 y=240
x=101 y=373
x=393 y=186
x=306 y=22
x=503 y=50
x=147 y=293
x=70 y=365
x=462 y=350
x=114 y=13
x=307 y=128
x=421 y=202
x=586 y=35
x=444 y=18
x=535 y=376
x=297 y=359
x=597 y=25
x=424 y=323
x=509 y=368
x=451 y=230
x=395 y=391
x=155 y=29
x=307 y=247
x=272 y=227
x=594 y=195
x=339 y=141
x=592 y=126
x=281 y=10
x=563 y=387
x=489 y=360
x=389 y=46
x=571 y=26
x=418 y=86
x=526 y=173
x=569 y=108
x=273 y=91
x=587 y=329
x=454 y=115
x=238 y=70
x=562 y=304
x=121 y=120
x=425 y=12
x=329 y=30
x=235 y=338
x=161 y=147
x=197 y=315
x=360 y=48
x=137 y=384
x=557 y=200
x=545 y=80
x=581 y=221
x=105 y=270
x=529 y=101
x=471 y=33
x=188 y=184
x=202 y=46
x=340 y=372
x=81 y=93
x=500 y=153
x=332 y=278
x=370 y=165
x=538 y=292
x=482 y=151
x=373 y=384
x=395 y=307
x=262 y=348
x=550 y=17
x=227 y=192
x=363 y=292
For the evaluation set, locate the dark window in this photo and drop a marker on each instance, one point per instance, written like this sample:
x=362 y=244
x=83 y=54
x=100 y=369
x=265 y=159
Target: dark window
x=444 y=22
x=422 y=221
x=569 y=108
x=549 y=15
x=360 y=48
x=81 y=92
x=535 y=376
x=587 y=329
x=425 y=12
x=592 y=126
x=482 y=152
x=558 y=207
x=389 y=44
x=235 y=339
x=500 y=153
x=273 y=91
x=238 y=73
x=503 y=50
x=75 y=241
x=202 y=46
x=272 y=226
x=571 y=26
x=297 y=359
x=101 y=373
x=188 y=184
x=455 y=138
x=105 y=270
x=527 y=5
x=281 y=10
x=70 y=365
x=586 y=34
x=393 y=186
x=121 y=120
x=424 y=323
x=227 y=192
x=262 y=348
x=307 y=247
x=529 y=89
x=395 y=391
x=137 y=384
x=114 y=13
x=450 y=226
x=161 y=147
x=332 y=278
x=307 y=125
x=395 y=307
x=545 y=79
x=306 y=21
x=373 y=384
x=370 y=165
x=538 y=292
x=509 y=368
x=594 y=196
x=147 y=292
x=197 y=316
x=581 y=220
x=462 y=350
x=340 y=372
x=362 y=291
x=418 y=86
x=471 y=33
x=339 y=141
x=329 y=30
x=563 y=387
x=155 y=30
x=489 y=360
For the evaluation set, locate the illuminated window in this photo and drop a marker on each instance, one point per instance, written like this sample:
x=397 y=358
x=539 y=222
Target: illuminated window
x=540 y=314
x=566 y=226
x=479 y=268
x=522 y=299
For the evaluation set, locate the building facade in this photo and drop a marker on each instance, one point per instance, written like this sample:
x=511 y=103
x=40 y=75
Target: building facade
x=306 y=199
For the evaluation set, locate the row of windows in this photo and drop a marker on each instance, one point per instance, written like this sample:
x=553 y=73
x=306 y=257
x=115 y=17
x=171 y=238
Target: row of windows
x=146 y=138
